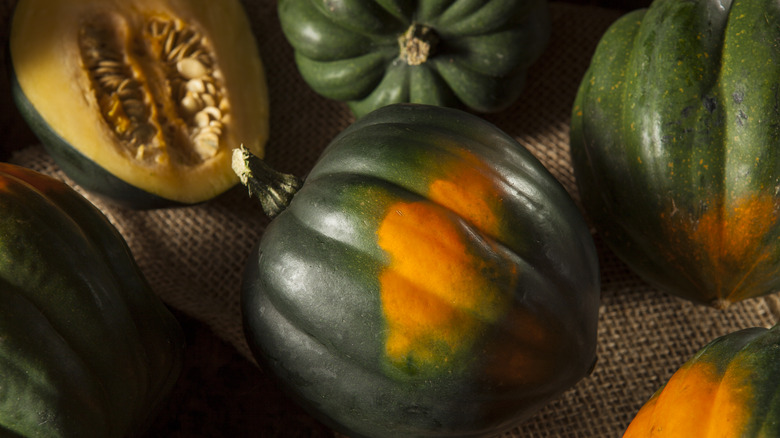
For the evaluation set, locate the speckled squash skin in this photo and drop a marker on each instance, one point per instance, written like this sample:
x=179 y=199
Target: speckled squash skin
x=675 y=141
x=430 y=278
x=730 y=388
x=478 y=51
x=86 y=348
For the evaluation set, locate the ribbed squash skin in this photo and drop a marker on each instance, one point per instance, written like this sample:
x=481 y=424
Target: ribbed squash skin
x=86 y=348
x=348 y=50
x=675 y=140
x=430 y=278
x=730 y=388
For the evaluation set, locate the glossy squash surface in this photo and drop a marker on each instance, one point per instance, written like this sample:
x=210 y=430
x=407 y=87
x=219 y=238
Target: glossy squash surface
x=676 y=146
x=371 y=53
x=430 y=277
x=86 y=348
x=730 y=388
x=141 y=101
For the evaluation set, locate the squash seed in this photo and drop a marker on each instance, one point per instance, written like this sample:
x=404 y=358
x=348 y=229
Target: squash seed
x=196 y=86
x=213 y=112
x=191 y=68
x=208 y=99
x=207 y=144
x=191 y=104
x=202 y=119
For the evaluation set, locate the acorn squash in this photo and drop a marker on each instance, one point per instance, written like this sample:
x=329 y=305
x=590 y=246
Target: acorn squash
x=675 y=141
x=86 y=348
x=429 y=278
x=141 y=101
x=370 y=53
x=730 y=388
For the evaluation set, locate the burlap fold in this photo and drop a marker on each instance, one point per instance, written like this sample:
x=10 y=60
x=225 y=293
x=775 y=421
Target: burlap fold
x=194 y=256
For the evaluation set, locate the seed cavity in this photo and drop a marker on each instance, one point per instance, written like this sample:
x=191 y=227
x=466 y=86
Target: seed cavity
x=158 y=87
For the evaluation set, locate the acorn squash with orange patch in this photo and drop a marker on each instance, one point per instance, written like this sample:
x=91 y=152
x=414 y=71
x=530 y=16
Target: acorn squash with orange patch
x=429 y=278
x=675 y=141
x=728 y=389
x=141 y=101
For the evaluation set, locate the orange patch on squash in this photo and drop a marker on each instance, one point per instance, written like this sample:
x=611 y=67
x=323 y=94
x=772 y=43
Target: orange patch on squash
x=729 y=239
x=696 y=402
x=733 y=233
x=470 y=194
x=444 y=284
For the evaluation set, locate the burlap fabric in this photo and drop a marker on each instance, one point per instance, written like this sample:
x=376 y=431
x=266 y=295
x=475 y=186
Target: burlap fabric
x=194 y=256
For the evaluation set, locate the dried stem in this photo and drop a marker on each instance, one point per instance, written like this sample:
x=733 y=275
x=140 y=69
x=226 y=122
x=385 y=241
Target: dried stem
x=274 y=189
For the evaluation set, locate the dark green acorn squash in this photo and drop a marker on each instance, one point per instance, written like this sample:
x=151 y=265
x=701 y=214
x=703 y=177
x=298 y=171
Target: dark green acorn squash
x=141 y=101
x=86 y=348
x=429 y=278
x=371 y=53
x=730 y=388
x=675 y=141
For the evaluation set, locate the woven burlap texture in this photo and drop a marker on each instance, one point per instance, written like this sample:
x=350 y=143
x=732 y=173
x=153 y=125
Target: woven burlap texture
x=194 y=256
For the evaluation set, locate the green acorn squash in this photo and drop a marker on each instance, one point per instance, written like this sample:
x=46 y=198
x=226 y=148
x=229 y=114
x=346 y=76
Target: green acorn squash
x=730 y=388
x=86 y=348
x=675 y=141
x=141 y=101
x=372 y=53
x=429 y=278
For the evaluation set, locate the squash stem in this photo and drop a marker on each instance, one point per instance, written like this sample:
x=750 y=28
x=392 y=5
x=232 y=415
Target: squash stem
x=274 y=189
x=417 y=44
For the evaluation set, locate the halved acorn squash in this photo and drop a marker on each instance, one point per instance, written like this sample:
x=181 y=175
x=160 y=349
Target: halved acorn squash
x=141 y=100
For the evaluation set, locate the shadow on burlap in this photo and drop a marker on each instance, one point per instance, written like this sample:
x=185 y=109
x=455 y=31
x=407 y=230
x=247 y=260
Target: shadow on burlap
x=194 y=256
